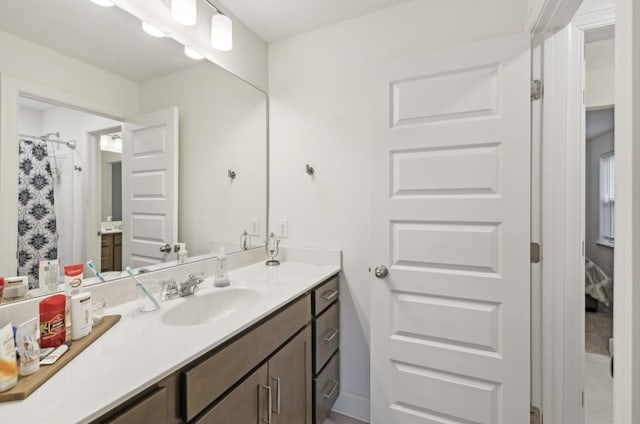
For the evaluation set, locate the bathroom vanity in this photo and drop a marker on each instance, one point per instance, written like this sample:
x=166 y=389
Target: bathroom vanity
x=267 y=353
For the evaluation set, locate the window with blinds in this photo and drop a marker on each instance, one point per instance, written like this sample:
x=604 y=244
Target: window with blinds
x=607 y=196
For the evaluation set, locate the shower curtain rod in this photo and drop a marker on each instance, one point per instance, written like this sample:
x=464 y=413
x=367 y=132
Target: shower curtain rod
x=47 y=137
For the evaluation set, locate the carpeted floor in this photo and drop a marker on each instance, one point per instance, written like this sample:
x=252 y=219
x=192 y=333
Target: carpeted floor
x=598 y=328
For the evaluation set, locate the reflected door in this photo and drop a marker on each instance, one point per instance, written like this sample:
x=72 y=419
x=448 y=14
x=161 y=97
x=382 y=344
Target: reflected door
x=450 y=335
x=149 y=187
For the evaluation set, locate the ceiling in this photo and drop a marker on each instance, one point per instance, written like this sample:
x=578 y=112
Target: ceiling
x=106 y=37
x=276 y=19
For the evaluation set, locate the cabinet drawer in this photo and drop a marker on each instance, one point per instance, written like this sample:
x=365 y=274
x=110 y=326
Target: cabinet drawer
x=151 y=409
x=325 y=295
x=326 y=388
x=326 y=336
x=205 y=382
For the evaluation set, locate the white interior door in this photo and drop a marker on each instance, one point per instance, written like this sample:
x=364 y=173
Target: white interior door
x=149 y=187
x=450 y=323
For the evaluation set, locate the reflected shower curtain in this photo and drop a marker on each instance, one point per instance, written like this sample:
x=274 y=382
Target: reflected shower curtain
x=37 y=235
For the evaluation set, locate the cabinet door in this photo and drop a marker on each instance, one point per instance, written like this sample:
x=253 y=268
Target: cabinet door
x=247 y=403
x=117 y=257
x=290 y=380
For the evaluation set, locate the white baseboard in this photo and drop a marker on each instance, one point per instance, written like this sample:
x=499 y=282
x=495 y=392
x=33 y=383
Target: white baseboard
x=353 y=406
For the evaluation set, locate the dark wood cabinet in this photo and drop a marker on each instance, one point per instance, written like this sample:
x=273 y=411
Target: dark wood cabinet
x=111 y=259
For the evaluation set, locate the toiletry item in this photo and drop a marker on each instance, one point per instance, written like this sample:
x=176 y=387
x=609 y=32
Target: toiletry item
x=49 y=275
x=182 y=253
x=154 y=288
x=56 y=354
x=93 y=268
x=73 y=279
x=52 y=321
x=81 y=320
x=8 y=361
x=46 y=352
x=221 y=278
x=28 y=347
x=97 y=310
x=15 y=287
x=151 y=297
x=1 y=288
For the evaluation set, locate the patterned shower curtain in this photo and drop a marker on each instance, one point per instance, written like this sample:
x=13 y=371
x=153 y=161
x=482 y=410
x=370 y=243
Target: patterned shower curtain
x=37 y=235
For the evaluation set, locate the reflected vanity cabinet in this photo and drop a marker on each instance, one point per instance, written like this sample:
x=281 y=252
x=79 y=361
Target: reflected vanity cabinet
x=111 y=252
x=275 y=372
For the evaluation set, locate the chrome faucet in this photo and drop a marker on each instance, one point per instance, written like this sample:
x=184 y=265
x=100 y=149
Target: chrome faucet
x=171 y=289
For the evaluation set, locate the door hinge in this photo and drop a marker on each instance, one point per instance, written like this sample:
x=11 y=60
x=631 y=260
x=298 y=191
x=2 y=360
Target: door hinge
x=536 y=90
x=535 y=253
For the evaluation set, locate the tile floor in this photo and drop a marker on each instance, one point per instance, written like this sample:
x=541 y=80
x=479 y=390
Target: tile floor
x=598 y=390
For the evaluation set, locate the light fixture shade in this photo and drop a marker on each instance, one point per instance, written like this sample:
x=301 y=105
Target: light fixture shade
x=152 y=31
x=184 y=11
x=192 y=54
x=221 y=32
x=103 y=3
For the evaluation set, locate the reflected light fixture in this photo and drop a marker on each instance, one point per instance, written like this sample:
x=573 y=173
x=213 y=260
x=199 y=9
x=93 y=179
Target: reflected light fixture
x=184 y=11
x=192 y=54
x=152 y=31
x=221 y=32
x=103 y=3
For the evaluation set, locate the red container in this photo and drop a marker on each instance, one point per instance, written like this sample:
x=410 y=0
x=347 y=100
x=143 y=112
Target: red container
x=1 y=287
x=53 y=331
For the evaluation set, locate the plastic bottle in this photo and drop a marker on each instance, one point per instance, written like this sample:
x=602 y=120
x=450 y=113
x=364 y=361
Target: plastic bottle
x=182 y=253
x=222 y=274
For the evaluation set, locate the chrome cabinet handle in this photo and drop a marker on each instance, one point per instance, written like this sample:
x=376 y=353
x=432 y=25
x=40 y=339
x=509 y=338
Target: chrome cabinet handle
x=334 y=333
x=166 y=248
x=329 y=294
x=277 y=402
x=269 y=401
x=332 y=390
x=381 y=271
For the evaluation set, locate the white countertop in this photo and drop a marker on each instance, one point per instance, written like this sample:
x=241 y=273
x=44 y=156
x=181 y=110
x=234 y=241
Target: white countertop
x=140 y=350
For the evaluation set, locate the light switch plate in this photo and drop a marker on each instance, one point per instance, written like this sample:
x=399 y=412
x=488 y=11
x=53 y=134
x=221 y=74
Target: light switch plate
x=283 y=228
x=254 y=227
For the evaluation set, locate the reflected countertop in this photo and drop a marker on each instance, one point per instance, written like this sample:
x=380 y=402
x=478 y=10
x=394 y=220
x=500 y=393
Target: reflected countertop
x=141 y=350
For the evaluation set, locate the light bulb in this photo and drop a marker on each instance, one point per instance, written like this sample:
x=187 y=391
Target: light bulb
x=184 y=11
x=192 y=54
x=221 y=32
x=152 y=31
x=103 y=3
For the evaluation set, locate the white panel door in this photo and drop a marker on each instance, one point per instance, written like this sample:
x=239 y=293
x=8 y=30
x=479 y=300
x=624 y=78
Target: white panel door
x=450 y=322
x=149 y=187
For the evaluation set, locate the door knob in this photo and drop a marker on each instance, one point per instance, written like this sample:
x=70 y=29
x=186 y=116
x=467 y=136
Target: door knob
x=381 y=271
x=166 y=248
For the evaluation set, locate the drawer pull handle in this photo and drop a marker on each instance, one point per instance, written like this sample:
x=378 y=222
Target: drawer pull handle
x=329 y=294
x=269 y=401
x=277 y=380
x=331 y=391
x=334 y=332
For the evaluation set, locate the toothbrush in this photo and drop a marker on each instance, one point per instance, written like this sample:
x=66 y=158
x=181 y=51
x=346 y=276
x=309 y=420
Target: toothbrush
x=142 y=287
x=95 y=271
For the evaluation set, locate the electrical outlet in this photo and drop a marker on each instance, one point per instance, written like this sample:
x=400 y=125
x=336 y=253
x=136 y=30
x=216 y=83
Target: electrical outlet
x=283 y=229
x=254 y=227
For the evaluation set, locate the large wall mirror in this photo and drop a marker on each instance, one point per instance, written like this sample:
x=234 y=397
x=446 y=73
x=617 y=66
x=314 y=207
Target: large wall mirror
x=119 y=148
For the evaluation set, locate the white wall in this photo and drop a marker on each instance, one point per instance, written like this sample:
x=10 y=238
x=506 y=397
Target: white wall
x=320 y=114
x=600 y=73
x=222 y=126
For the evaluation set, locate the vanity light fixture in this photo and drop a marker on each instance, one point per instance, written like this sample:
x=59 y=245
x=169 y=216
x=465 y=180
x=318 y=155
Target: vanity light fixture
x=103 y=3
x=184 y=12
x=192 y=54
x=221 y=29
x=152 y=31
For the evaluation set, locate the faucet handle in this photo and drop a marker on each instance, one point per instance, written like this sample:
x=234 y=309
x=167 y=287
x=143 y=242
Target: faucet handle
x=169 y=289
x=197 y=276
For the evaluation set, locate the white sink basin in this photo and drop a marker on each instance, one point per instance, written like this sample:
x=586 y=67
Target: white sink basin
x=201 y=308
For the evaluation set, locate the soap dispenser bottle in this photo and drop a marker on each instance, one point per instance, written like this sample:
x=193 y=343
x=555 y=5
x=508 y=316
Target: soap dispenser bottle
x=221 y=278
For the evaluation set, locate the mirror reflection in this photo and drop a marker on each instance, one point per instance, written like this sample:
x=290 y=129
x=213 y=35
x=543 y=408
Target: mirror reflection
x=119 y=149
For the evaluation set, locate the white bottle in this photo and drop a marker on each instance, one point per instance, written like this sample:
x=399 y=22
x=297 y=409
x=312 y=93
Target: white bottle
x=81 y=315
x=222 y=274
